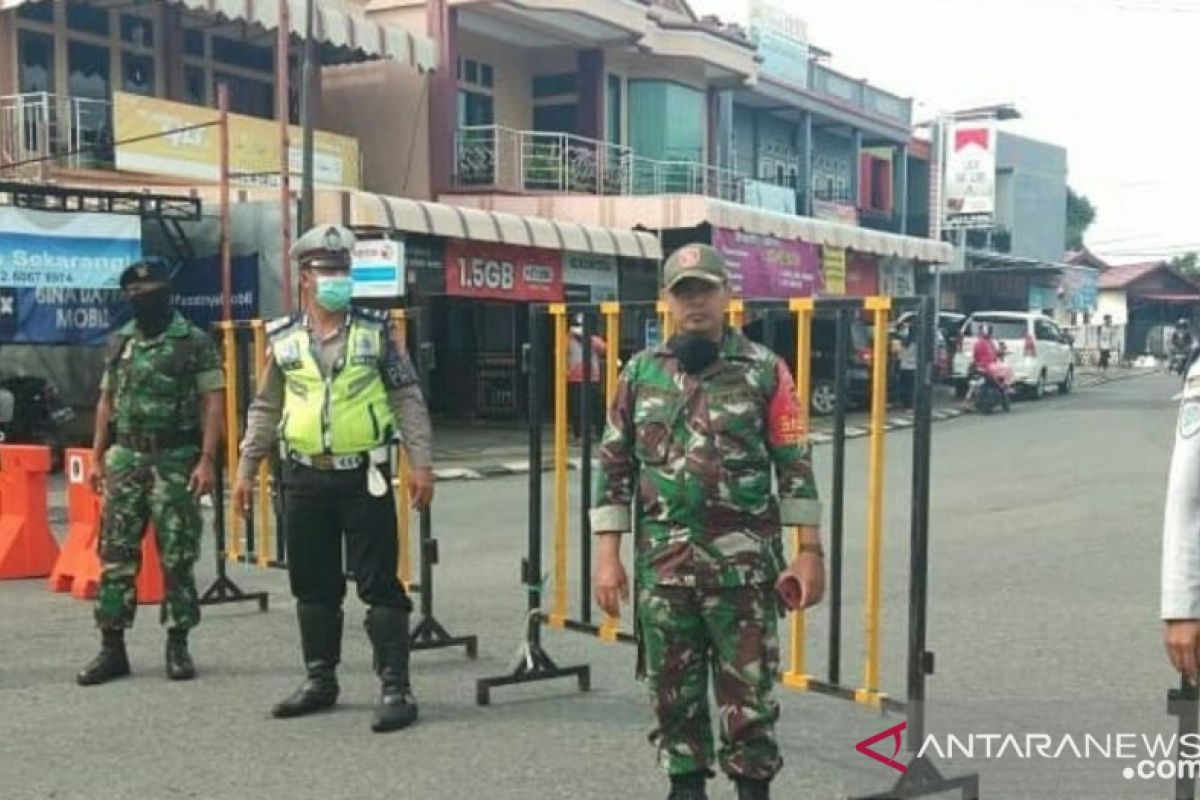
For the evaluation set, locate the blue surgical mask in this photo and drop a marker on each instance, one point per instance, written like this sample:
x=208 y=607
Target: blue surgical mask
x=334 y=291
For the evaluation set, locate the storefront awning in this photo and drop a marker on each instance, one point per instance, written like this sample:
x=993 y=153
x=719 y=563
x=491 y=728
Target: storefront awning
x=669 y=212
x=337 y=26
x=368 y=210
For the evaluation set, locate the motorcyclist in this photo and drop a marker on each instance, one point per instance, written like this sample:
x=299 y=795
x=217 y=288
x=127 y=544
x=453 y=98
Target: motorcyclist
x=987 y=361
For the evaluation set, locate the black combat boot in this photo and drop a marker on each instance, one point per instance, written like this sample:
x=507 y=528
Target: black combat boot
x=748 y=789
x=110 y=663
x=179 y=661
x=321 y=643
x=388 y=629
x=688 y=787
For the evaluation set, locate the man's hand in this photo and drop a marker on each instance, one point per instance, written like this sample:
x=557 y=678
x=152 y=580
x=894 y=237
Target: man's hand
x=243 y=491
x=203 y=478
x=610 y=585
x=96 y=479
x=808 y=571
x=1182 y=638
x=420 y=487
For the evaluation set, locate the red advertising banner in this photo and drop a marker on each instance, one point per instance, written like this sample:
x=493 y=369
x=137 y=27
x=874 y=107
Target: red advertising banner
x=862 y=275
x=503 y=272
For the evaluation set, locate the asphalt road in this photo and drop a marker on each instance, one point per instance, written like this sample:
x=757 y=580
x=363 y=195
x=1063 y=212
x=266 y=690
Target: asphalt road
x=1043 y=605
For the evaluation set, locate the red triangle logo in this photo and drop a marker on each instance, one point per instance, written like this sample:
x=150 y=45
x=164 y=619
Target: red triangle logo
x=864 y=747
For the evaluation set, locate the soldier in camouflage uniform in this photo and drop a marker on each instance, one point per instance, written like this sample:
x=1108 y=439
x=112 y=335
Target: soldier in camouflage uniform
x=698 y=424
x=158 y=425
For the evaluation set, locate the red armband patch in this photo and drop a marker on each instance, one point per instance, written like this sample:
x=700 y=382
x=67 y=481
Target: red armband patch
x=784 y=425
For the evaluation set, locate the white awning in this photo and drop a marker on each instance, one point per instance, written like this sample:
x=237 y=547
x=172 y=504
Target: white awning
x=338 y=26
x=368 y=210
x=817 y=231
x=670 y=212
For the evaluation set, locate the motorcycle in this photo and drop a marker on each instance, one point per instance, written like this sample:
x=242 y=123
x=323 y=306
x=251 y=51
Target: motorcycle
x=1179 y=361
x=33 y=412
x=986 y=393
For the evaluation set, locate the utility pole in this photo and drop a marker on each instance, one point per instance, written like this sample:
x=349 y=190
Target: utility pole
x=306 y=114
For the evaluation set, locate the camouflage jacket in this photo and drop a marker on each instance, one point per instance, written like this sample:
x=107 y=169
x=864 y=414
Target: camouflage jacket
x=157 y=383
x=700 y=449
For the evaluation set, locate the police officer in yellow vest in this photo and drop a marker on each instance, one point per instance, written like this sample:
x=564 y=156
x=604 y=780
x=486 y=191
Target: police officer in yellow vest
x=336 y=386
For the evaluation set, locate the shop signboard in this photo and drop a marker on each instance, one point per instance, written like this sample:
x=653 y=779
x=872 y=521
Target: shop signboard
x=763 y=267
x=503 y=272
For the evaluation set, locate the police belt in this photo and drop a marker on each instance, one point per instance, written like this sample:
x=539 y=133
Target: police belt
x=162 y=440
x=327 y=462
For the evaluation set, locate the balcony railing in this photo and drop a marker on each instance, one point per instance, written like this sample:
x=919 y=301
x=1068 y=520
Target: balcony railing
x=502 y=159
x=40 y=129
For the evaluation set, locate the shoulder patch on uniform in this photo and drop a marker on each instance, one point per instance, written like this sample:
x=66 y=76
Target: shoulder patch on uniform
x=280 y=323
x=1189 y=419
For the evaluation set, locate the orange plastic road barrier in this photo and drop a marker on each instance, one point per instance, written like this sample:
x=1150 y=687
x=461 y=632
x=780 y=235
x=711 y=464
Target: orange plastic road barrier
x=27 y=550
x=78 y=567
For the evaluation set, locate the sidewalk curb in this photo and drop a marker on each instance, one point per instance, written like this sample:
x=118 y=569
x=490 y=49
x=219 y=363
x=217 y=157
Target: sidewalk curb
x=821 y=437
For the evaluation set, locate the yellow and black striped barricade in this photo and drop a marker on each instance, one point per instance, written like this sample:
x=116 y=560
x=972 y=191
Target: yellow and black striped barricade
x=789 y=327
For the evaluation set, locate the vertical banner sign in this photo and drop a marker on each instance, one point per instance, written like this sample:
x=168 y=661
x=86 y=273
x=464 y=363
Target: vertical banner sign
x=833 y=264
x=503 y=272
x=971 y=172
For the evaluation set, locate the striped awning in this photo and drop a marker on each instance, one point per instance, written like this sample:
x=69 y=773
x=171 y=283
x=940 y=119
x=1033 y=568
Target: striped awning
x=335 y=24
x=368 y=210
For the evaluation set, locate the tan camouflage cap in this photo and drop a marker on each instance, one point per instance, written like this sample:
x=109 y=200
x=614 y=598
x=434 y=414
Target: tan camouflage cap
x=699 y=261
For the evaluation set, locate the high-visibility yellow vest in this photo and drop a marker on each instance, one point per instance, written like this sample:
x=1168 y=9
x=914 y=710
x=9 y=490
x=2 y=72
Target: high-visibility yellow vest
x=344 y=413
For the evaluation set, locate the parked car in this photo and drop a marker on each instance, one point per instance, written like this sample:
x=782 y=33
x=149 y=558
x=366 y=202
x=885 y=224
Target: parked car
x=1038 y=351
x=823 y=398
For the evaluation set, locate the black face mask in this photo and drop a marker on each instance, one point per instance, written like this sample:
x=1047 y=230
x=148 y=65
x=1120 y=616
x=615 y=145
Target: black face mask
x=695 y=353
x=152 y=310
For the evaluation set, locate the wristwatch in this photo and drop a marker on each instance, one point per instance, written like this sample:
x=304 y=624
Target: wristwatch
x=811 y=547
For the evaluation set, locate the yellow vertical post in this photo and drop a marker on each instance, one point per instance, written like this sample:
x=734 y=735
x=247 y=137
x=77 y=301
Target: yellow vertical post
x=233 y=434
x=263 y=549
x=869 y=692
x=665 y=324
x=558 y=616
x=737 y=313
x=612 y=326
x=401 y=496
x=797 y=676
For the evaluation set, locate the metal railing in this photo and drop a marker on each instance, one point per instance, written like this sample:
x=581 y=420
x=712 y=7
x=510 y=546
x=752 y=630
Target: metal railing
x=39 y=128
x=508 y=160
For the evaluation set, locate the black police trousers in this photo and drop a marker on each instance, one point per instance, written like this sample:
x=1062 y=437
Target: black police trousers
x=319 y=508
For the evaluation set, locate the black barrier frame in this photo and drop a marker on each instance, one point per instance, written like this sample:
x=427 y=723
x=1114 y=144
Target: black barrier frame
x=1184 y=704
x=922 y=777
x=429 y=634
x=534 y=663
x=224 y=590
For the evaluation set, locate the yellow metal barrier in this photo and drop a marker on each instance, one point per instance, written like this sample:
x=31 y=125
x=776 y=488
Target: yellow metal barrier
x=797 y=676
x=401 y=496
x=869 y=693
x=263 y=549
x=558 y=616
x=612 y=327
x=737 y=314
x=233 y=433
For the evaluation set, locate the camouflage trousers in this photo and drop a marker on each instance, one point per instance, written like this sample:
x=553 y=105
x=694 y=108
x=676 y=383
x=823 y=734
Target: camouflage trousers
x=733 y=634
x=140 y=489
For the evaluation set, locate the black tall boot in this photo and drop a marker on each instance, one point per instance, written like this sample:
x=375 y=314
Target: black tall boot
x=179 y=661
x=689 y=786
x=388 y=629
x=748 y=789
x=112 y=661
x=321 y=642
